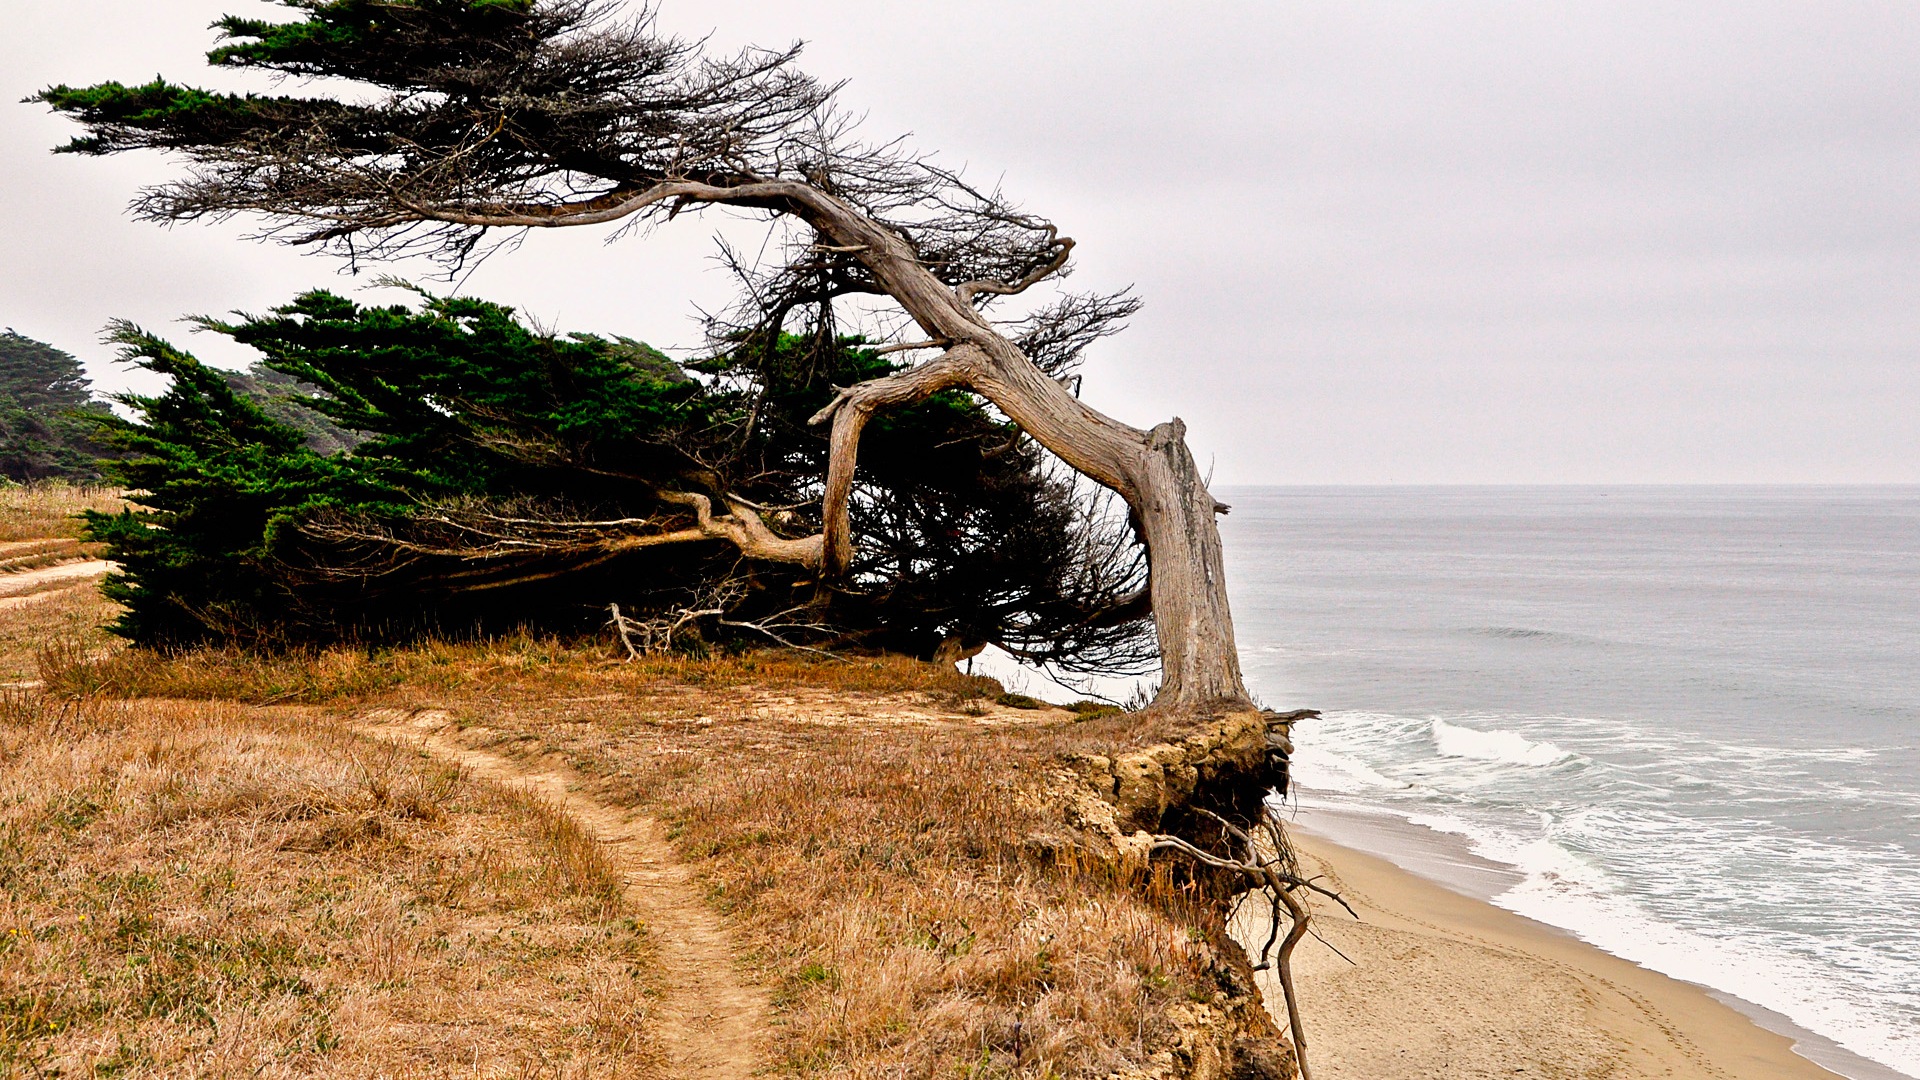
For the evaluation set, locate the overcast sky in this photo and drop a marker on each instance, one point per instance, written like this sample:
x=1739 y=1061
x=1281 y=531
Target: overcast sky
x=1412 y=243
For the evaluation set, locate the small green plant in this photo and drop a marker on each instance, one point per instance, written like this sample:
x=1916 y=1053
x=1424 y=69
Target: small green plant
x=819 y=974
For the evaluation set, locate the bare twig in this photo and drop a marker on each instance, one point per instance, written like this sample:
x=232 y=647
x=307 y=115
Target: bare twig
x=625 y=628
x=908 y=346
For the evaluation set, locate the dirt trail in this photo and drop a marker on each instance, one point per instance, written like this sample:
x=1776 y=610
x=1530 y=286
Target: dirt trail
x=24 y=581
x=711 y=1019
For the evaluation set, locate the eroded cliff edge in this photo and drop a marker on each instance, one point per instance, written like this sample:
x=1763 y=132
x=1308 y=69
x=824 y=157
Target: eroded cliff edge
x=1114 y=804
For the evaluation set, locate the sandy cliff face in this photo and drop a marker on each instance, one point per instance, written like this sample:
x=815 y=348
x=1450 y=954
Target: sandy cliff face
x=1116 y=802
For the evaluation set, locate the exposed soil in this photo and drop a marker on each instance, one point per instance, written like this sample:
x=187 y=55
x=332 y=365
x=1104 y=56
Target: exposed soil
x=16 y=588
x=712 y=1019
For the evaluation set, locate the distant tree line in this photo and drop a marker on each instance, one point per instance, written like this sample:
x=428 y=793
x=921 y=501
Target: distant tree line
x=50 y=416
x=45 y=406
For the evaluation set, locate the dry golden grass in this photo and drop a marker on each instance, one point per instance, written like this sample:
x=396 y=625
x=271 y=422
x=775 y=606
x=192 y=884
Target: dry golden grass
x=204 y=889
x=885 y=876
x=911 y=927
x=347 y=674
x=50 y=511
x=865 y=825
x=54 y=630
x=19 y=555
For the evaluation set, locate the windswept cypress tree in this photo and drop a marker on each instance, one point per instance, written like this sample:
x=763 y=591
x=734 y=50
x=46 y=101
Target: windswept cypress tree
x=477 y=474
x=428 y=126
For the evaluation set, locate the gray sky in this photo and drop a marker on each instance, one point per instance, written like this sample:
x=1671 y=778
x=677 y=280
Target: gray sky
x=1394 y=242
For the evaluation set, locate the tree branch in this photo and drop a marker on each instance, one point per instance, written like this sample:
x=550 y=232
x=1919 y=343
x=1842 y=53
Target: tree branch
x=849 y=410
x=743 y=529
x=1063 y=247
x=909 y=346
x=605 y=208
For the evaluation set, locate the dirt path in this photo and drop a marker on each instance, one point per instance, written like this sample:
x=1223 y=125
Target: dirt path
x=711 y=1019
x=26 y=581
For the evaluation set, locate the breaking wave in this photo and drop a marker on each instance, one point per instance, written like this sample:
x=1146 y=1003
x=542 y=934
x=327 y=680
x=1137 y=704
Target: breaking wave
x=1505 y=747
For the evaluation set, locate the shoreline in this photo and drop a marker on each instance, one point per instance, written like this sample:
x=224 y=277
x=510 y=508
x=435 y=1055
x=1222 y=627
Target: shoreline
x=1444 y=983
x=1448 y=860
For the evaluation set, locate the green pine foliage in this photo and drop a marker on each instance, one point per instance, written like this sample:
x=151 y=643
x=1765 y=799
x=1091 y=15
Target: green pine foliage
x=415 y=467
x=444 y=60
x=44 y=399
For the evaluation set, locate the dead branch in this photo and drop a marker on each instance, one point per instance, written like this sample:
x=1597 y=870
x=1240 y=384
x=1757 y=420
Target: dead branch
x=476 y=533
x=1063 y=248
x=624 y=626
x=744 y=529
x=909 y=346
x=657 y=633
x=773 y=631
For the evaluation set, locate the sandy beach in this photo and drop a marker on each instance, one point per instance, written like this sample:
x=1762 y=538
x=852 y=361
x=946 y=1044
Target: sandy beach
x=1445 y=985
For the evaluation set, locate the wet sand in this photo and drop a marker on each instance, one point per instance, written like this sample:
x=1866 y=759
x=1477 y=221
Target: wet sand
x=1442 y=984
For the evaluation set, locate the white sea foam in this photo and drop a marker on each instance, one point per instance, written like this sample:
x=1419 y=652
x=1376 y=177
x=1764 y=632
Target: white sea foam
x=1843 y=993
x=1562 y=890
x=1325 y=770
x=1506 y=747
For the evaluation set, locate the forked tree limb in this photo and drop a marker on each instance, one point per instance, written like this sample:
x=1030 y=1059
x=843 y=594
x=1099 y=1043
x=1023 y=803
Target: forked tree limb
x=849 y=411
x=744 y=529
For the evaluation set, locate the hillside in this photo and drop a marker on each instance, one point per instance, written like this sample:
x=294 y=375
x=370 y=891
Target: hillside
x=526 y=858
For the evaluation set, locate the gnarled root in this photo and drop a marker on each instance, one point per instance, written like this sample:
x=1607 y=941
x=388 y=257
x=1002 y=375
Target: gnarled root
x=1263 y=857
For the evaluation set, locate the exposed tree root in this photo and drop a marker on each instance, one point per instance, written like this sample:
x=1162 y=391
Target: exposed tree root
x=1263 y=856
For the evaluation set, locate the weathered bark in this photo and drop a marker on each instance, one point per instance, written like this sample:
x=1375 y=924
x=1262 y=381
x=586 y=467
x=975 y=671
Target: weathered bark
x=744 y=530
x=1153 y=471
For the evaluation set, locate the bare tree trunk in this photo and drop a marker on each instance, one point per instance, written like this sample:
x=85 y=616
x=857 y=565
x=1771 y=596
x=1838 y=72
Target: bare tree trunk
x=1199 y=663
x=1152 y=470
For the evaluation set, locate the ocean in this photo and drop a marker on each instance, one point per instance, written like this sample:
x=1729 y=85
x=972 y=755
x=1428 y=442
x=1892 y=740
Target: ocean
x=1681 y=723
